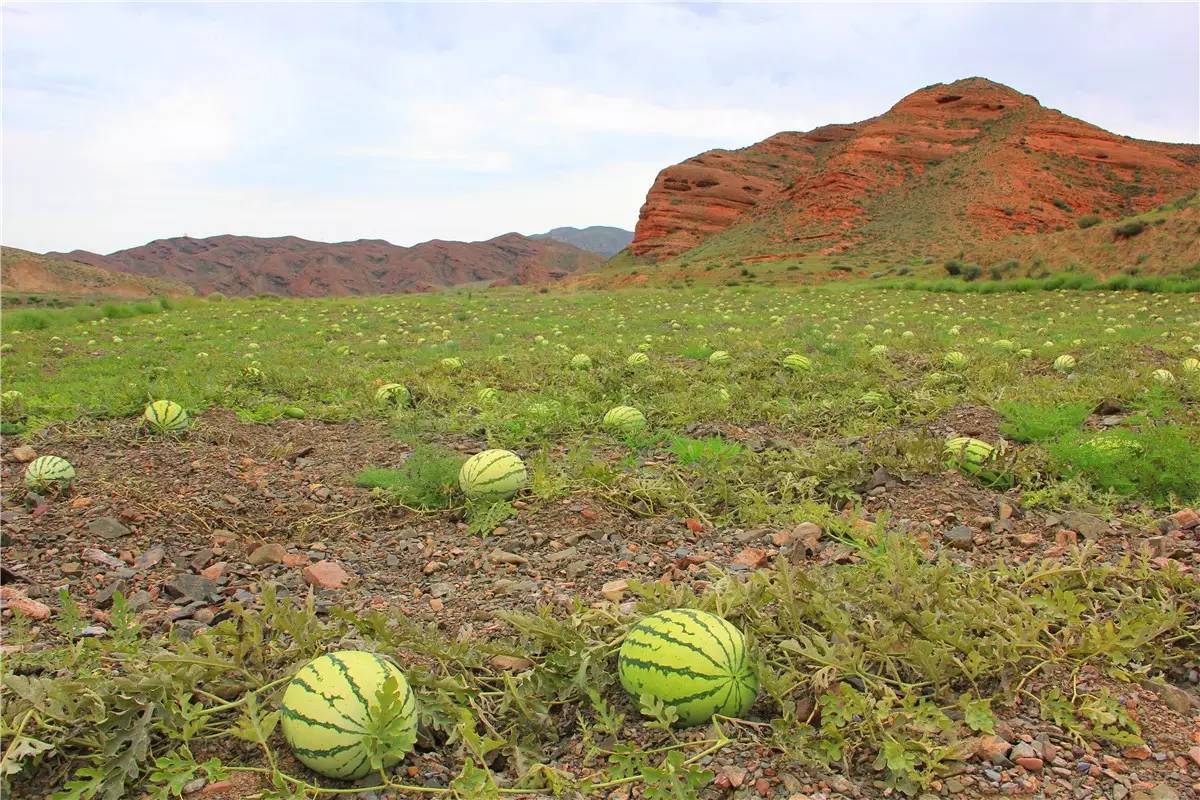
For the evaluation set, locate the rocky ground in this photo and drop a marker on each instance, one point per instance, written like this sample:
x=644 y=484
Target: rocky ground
x=183 y=527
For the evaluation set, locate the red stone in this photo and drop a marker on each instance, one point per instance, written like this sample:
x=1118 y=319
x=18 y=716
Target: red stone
x=326 y=575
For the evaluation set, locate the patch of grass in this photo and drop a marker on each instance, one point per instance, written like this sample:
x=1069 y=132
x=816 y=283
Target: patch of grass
x=1028 y=422
x=428 y=478
x=1159 y=463
x=711 y=451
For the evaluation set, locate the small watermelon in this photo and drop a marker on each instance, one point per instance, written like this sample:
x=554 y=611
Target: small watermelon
x=1064 y=363
x=46 y=473
x=488 y=395
x=1162 y=376
x=879 y=350
x=693 y=661
x=797 y=363
x=165 y=416
x=719 y=358
x=638 y=360
x=393 y=394
x=954 y=360
x=1190 y=366
x=12 y=405
x=624 y=420
x=451 y=364
x=972 y=457
x=581 y=361
x=492 y=474
x=331 y=705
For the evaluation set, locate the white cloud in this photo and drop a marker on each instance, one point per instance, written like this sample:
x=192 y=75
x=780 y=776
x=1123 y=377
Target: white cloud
x=123 y=123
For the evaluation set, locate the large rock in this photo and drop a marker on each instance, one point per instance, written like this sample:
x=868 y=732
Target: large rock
x=108 y=528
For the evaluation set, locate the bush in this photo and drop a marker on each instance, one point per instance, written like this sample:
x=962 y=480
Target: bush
x=1088 y=220
x=954 y=267
x=427 y=479
x=971 y=272
x=1158 y=464
x=1027 y=422
x=1127 y=230
x=216 y=297
x=1062 y=204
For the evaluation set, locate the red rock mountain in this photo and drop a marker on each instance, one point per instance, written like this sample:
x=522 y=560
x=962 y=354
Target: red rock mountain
x=294 y=267
x=971 y=160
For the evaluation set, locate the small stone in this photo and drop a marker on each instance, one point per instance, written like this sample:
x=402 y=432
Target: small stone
x=194 y=785
x=436 y=604
x=735 y=776
x=960 y=537
x=104 y=597
x=214 y=572
x=566 y=554
x=107 y=528
x=513 y=663
x=23 y=453
x=97 y=556
x=393 y=560
x=1091 y=526
x=326 y=575
x=1030 y=764
x=504 y=557
x=614 y=591
x=991 y=748
x=195 y=588
x=71 y=568
x=17 y=601
x=752 y=558
x=1163 y=792
x=1137 y=752
x=93 y=631
x=1186 y=519
x=269 y=553
x=150 y=558
x=441 y=589
x=138 y=600
x=204 y=615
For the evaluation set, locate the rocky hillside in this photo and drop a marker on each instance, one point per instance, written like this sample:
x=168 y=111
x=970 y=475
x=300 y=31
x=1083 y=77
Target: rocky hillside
x=294 y=267
x=970 y=161
x=25 y=273
x=602 y=239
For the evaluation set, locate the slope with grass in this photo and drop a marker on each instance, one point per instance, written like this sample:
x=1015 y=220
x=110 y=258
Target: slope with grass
x=26 y=277
x=971 y=161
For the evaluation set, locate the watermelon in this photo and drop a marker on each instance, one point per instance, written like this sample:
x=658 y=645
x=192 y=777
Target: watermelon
x=797 y=363
x=393 y=394
x=488 y=395
x=972 y=457
x=879 y=350
x=694 y=662
x=46 y=473
x=164 y=416
x=624 y=420
x=718 y=358
x=1163 y=376
x=1189 y=366
x=252 y=375
x=581 y=361
x=12 y=405
x=954 y=360
x=638 y=360
x=492 y=474
x=1064 y=363
x=451 y=364
x=332 y=703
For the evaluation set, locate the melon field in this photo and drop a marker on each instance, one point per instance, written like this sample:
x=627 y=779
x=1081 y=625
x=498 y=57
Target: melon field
x=1017 y=614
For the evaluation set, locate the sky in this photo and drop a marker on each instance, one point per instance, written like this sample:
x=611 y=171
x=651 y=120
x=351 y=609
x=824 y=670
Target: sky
x=127 y=123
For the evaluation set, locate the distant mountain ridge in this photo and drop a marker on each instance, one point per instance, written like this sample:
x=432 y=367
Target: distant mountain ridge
x=602 y=239
x=950 y=165
x=295 y=267
x=22 y=272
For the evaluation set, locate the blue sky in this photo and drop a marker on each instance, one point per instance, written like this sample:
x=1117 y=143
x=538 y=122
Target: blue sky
x=125 y=123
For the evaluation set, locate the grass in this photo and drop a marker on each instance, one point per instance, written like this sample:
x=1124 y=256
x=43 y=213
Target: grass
x=906 y=655
x=907 y=658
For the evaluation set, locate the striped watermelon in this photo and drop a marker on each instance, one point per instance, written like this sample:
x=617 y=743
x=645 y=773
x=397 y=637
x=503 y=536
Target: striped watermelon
x=718 y=358
x=694 y=661
x=492 y=474
x=638 y=360
x=581 y=361
x=1189 y=365
x=797 y=363
x=488 y=394
x=332 y=705
x=451 y=364
x=879 y=350
x=12 y=404
x=393 y=394
x=1064 y=363
x=972 y=457
x=1163 y=376
x=165 y=416
x=954 y=360
x=624 y=420
x=49 y=472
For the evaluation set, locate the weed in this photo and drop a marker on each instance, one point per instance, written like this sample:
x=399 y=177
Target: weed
x=427 y=479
